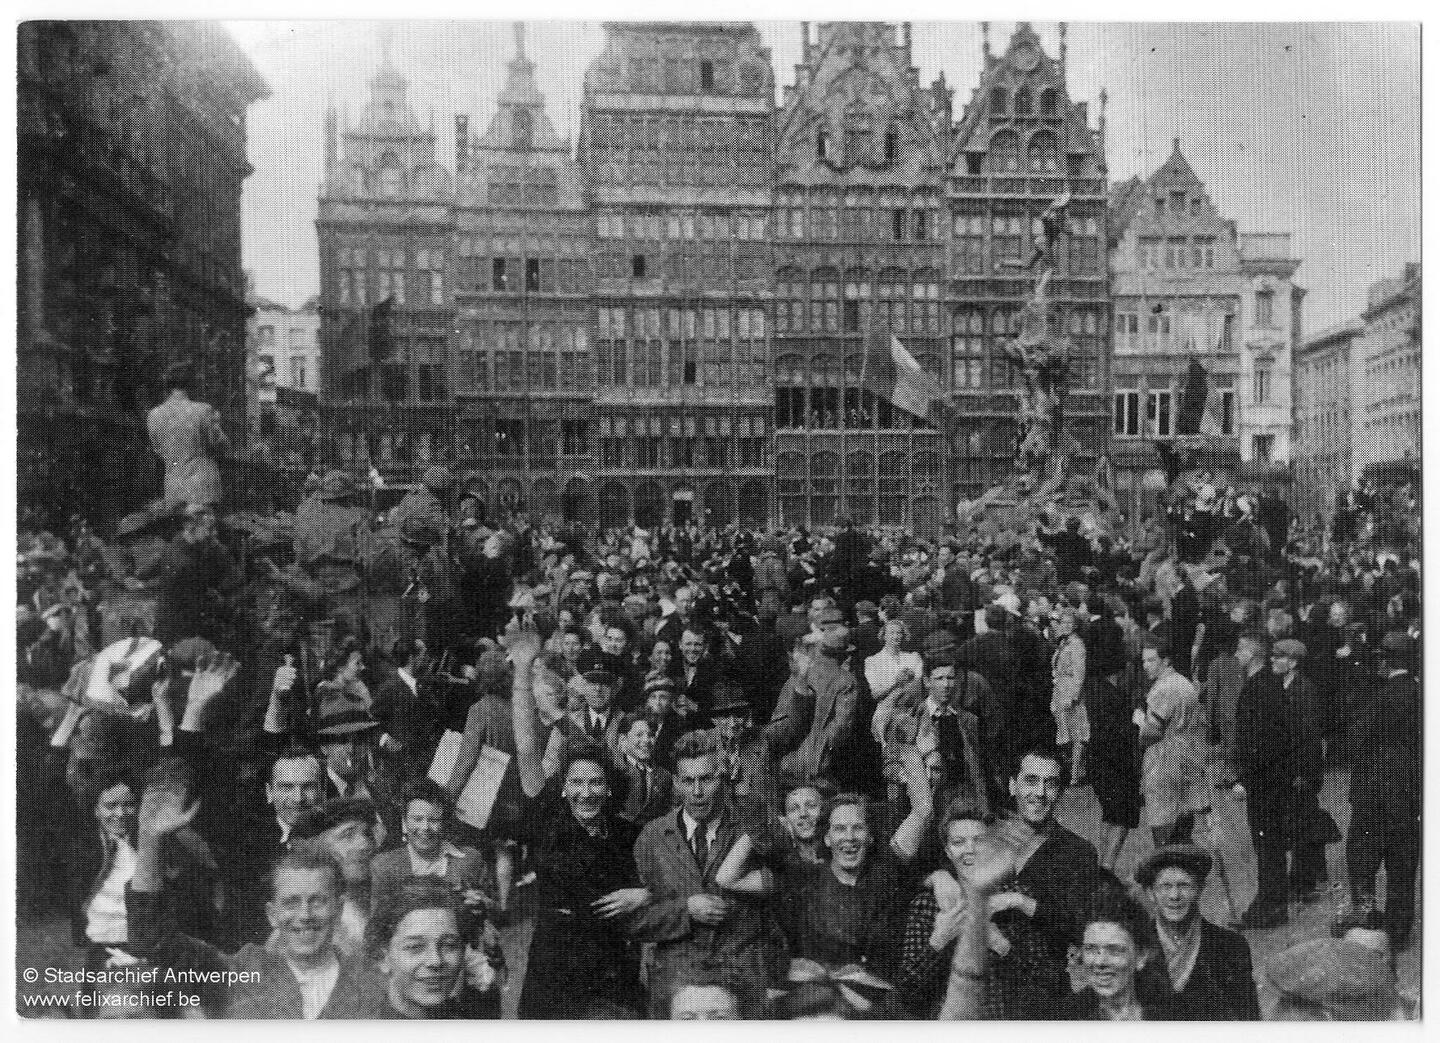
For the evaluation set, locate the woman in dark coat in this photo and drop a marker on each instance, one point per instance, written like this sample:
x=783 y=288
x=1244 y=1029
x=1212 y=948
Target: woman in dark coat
x=581 y=959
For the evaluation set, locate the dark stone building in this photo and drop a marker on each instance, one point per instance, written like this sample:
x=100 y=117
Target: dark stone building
x=131 y=162
x=1020 y=144
x=692 y=317
x=859 y=256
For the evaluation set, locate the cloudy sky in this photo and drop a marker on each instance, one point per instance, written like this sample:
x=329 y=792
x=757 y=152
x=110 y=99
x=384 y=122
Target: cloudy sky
x=1312 y=129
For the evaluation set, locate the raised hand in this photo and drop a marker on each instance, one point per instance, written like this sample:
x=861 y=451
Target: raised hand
x=163 y=810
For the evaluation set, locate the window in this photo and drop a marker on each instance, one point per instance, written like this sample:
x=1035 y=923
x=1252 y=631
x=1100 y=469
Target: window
x=1044 y=156
x=892 y=146
x=1265 y=309
x=437 y=288
x=1227 y=411
x=1127 y=330
x=297 y=373
x=1023 y=104
x=999 y=102
x=1047 y=102
x=267 y=336
x=1177 y=202
x=974 y=164
x=1264 y=448
x=1159 y=413
x=532 y=276
x=1261 y=385
x=707 y=76
x=499 y=279
x=1127 y=413
x=897 y=225
x=1005 y=153
x=637 y=266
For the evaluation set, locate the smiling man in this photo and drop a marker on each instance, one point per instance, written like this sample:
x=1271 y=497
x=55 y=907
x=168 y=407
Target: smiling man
x=1204 y=973
x=1059 y=873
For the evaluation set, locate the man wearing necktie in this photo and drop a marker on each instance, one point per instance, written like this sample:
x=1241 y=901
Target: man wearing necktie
x=594 y=721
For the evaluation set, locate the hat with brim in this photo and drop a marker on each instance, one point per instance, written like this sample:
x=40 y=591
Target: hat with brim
x=1009 y=603
x=318 y=821
x=599 y=675
x=340 y=716
x=1192 y=859
x=730 y=701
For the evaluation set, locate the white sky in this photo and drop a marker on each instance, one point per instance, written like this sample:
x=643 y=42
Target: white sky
x=1312 y=129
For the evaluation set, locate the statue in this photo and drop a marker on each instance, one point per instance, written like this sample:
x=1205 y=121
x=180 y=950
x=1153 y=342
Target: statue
x=1040 y=357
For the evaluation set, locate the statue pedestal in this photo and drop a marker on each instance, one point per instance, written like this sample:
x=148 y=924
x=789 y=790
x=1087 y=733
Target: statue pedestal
x=1007 y=514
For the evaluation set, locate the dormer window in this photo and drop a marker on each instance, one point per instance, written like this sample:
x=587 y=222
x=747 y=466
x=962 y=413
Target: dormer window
x=524 y=129
x=1024 y=106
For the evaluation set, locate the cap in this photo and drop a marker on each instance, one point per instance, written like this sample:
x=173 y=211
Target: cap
x=1010 y=603
x=1290 y=648
x=657 y=683
x=598 y=675
x=320 y=820
x=866 y=608
x=1194 y=860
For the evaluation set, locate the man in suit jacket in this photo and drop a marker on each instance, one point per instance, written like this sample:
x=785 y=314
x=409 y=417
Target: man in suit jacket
x=696 y=930
x=836 y=701
x=1203 y=972
x=597 y=722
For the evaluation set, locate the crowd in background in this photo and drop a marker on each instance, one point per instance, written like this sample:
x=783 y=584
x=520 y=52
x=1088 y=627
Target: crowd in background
x=736 y=773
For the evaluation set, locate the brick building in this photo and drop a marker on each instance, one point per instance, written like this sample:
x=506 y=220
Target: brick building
x=131 y=161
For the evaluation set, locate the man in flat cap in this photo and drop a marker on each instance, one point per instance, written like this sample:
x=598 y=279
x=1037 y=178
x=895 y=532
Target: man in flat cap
x=1278 y=760
x=1385 y=789
x=1205 y=971
x=594 y=719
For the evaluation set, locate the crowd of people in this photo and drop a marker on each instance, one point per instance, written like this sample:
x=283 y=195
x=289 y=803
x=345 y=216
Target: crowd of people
x=725 y=773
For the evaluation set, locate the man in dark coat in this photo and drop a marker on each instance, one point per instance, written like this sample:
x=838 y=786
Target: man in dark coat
x=1385 y=789
x=1203 y=972
x=1279 y=765
x=1058 y=873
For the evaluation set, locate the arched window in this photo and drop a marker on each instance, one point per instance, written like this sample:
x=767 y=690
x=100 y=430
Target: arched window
x=1005 y=152
x=999 y=101
x=1044 y=154
x=1024 y=104
x=1048 y=102
x=524 y=128
x=389 y=175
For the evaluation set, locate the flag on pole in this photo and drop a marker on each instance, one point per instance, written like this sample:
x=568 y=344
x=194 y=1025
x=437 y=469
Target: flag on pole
x=915 y=391
x=1193 y=400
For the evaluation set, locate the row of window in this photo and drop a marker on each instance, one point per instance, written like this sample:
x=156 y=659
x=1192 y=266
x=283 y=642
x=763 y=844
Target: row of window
x=651 y=364
x=523 y=275
x=830 y=316
x=1161 y=417
x=677 y=133
x=1040 y=154
x=850 y=409
x=1166 y=330
x=516 y=371
x=823 y=223
x=683 y=225
x=686 y=267
x=352 y=287
x=654 y=453
x=616 y=171
x=1177 y=254
x=1022 y=102
x=299 y=371
x=687 y=323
